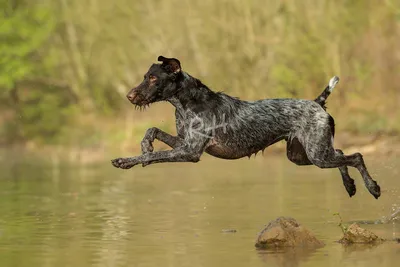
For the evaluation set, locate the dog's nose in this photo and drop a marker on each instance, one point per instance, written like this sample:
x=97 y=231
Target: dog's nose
x=130 y=97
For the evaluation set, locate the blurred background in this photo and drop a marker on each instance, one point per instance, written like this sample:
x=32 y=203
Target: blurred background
x=66 y=65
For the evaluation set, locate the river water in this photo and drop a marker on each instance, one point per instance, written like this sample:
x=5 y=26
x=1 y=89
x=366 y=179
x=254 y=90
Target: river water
x=174 y=214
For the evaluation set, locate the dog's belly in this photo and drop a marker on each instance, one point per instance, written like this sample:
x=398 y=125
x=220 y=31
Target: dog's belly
x=225 y=152
x=236 y=151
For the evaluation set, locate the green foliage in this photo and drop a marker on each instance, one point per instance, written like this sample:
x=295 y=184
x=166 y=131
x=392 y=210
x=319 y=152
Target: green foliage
x=23 y=29
x=64 y=60
x=366 y=121
x=340 y=224
x=45 y=115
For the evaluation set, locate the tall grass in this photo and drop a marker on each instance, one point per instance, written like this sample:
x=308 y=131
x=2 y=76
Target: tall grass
x=248 y=48
x=257 y=49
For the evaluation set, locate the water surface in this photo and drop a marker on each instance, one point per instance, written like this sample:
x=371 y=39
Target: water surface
x=173 y=214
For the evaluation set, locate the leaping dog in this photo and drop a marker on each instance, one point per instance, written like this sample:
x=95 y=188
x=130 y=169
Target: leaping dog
x=229 y=128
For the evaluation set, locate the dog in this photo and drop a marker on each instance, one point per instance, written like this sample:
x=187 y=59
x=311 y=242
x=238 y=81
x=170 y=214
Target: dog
x=229 y=128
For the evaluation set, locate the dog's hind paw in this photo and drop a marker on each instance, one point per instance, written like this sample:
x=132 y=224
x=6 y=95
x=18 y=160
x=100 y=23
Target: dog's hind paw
x=350 y=187
x=374 y=189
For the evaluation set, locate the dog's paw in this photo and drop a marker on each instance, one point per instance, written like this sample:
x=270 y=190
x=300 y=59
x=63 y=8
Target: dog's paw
x=122 y=163
x=374 y=189
x=350 y=187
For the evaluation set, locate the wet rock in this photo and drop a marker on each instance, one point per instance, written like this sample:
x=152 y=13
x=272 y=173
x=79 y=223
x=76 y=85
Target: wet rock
x=358 y=235
x=286 y=232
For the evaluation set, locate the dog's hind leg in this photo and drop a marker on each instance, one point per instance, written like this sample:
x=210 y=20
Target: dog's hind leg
x=320 y=152
x=348 y=182
x=297 y=154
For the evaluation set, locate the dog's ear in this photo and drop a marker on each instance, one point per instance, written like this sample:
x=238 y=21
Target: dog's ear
x=170 y=64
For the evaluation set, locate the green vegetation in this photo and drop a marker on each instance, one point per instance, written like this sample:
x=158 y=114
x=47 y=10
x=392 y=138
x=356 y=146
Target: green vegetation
x=66 y=65
x=340 y=224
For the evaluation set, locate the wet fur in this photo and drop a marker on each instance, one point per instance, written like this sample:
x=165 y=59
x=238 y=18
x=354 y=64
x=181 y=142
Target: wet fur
x=229 y=128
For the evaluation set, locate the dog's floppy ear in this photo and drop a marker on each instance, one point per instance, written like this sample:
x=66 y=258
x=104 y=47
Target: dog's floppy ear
x=170 y=64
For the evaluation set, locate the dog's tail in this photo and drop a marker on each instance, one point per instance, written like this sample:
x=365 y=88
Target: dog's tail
x=321 y=99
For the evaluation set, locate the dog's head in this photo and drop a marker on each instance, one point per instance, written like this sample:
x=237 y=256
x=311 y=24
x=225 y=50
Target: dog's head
x=159 y=83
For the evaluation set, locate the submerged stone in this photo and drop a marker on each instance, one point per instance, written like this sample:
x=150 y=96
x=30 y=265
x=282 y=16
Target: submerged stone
x=286 y=232
x=356 y=234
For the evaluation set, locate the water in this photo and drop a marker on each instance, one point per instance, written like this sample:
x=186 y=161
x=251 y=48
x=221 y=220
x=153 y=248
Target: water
x=174 y=214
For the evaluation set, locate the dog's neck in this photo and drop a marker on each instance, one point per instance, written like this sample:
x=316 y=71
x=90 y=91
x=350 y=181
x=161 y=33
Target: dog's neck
x=176 y=103
x=192 y=93
x=176 y=100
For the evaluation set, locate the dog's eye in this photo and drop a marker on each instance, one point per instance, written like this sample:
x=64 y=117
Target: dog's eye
x=152 y=78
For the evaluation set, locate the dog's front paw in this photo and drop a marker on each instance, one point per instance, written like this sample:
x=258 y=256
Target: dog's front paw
x=123 y=163
x=145 y=164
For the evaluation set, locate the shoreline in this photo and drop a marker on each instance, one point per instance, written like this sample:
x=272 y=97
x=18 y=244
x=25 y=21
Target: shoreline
x=379 y=145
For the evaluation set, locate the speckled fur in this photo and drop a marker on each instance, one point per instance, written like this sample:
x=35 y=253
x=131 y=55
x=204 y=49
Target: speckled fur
x=229 y=128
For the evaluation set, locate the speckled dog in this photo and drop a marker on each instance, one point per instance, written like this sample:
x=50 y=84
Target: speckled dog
x=229 y=128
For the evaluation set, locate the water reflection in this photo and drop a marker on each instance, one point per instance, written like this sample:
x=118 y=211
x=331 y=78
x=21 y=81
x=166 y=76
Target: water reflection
x=356 y=248
x=384 y=254
x=173 y=214
x=287 y=257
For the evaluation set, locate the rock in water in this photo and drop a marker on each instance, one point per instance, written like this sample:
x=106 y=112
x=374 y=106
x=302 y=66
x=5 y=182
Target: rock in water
x=356 y=234
x=286 y=232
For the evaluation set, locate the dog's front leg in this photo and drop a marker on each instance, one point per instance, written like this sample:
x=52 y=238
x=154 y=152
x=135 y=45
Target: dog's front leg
x=180 y=154
x=155 y=133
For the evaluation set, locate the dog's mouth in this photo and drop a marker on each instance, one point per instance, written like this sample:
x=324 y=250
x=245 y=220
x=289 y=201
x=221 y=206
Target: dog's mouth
x=141 y=106
x=139 y=101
